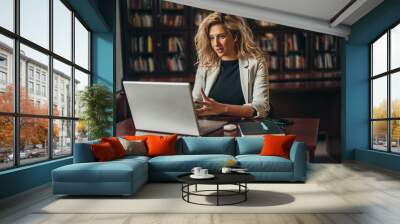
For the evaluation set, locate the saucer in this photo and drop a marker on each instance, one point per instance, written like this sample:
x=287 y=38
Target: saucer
x=208 y=176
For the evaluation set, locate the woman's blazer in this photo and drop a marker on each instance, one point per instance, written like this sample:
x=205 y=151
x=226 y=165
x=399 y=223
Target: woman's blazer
x=253 y=79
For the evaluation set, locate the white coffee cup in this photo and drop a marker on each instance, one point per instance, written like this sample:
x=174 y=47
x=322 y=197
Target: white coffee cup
x=203 y=172
x=226 y=170
x=196 y=170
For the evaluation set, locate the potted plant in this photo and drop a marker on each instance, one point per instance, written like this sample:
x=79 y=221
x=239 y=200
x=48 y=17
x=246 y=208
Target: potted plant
x=96 y=103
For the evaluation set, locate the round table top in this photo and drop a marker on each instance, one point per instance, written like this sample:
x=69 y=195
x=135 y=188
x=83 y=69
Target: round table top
x=220 y=178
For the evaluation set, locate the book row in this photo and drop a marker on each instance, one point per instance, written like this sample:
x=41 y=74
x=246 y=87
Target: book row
x=272 y=62
x=268 y=42
x=295 y=62
x=175 y=44
x=295 y=42
x=325 y=60
x=174 y=64
x=142 y=64
x=325 y=42
x=141 y=21
x=172 y=20
x=143 y=44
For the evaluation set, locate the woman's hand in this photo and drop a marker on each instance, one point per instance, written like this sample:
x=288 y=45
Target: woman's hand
x=209 y=106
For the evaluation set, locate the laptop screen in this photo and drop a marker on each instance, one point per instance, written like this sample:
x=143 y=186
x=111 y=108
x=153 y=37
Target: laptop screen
x=162 y=107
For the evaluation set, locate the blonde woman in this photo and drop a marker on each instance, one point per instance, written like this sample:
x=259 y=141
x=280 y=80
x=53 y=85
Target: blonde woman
x=231 y=77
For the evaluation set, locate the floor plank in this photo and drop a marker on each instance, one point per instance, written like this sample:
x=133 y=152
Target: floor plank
x=377 y=191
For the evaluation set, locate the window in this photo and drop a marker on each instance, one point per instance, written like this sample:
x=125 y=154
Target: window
x=62 y=29
x=45 y=131
x=30 y=72
x=7 y=14
x=62 y=74
x=43 y=90
x=81 y=81
x=7 y=83
x=30 y=87
x=3 y=61
x=37 y=74
x=38 y=89
x=385 y=94
x=34 y=21
x=3 y=78
x=3 y=72
x=81 y=45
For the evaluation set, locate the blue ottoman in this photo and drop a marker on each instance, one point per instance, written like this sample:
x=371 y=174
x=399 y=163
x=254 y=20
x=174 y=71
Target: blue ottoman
x=118 y=177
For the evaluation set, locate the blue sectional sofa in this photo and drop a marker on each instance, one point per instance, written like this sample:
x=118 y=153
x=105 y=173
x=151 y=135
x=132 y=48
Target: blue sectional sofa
x=125 y=176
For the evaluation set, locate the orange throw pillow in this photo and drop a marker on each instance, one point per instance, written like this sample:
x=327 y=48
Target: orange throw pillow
x=103 y=151
x=135 y=138
x=116 y=145
x=277 y=145
x=161 y=145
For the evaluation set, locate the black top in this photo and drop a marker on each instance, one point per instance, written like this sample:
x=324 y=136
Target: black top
x=220 y=178
x=227 y=88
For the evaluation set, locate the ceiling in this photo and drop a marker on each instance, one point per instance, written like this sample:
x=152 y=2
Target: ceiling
x=325 y=16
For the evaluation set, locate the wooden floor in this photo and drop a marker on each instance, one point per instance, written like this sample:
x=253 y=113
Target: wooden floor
x=377 y=188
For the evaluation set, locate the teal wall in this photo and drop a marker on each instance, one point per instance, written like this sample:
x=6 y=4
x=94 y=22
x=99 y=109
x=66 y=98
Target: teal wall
x=103 y=64
x=356 y=86
x=99 y=15
x=27 y=177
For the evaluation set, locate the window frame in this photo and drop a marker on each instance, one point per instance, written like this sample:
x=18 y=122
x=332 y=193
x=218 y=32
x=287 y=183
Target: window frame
x=16 y=114
x=388 y=74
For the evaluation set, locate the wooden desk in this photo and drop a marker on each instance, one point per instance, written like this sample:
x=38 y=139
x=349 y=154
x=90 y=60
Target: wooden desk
x=306 y=130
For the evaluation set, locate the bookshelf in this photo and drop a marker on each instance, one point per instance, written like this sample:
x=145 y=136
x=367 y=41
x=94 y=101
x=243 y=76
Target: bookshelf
x=159 y=41
x=173 y=53
x=295 y=51
x=325 y=55
x=269 y=43
x=172 y=15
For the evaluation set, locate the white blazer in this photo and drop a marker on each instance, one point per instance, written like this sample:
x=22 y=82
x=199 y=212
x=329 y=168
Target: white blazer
x=253 y=80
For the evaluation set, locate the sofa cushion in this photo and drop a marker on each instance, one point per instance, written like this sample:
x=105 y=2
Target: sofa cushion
x=207 y=145
x=116 y=145
x=257 y=163
x=161 y=145
x=249 y=145
x=134 y=147
x=277 y=145
x=103 y=152
x=135 y=137
x=112 y=171
x=133 y=157
x=185 y=163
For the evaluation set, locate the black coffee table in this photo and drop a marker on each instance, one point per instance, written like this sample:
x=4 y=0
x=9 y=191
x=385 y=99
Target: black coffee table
x=238 y=179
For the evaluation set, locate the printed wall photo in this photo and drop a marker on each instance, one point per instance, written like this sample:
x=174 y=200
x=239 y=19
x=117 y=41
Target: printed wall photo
x=165 y=41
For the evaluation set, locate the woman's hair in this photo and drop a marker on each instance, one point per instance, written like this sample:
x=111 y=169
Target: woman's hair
x=245 y=45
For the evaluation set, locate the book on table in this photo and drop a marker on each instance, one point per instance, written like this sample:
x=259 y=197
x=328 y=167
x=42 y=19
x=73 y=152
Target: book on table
x=254 y=127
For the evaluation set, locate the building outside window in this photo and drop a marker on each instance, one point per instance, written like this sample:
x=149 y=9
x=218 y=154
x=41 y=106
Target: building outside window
x=58 y=128
x=385 y=91
x=3 y=72
x=30 y=87
x=44 y=77
x=43 y=90
x=3 y=78
x=30 y=72
x=3 y=61
x=37 y=74
x=38 y=89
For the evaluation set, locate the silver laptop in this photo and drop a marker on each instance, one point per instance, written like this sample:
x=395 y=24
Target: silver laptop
x=166 y=107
